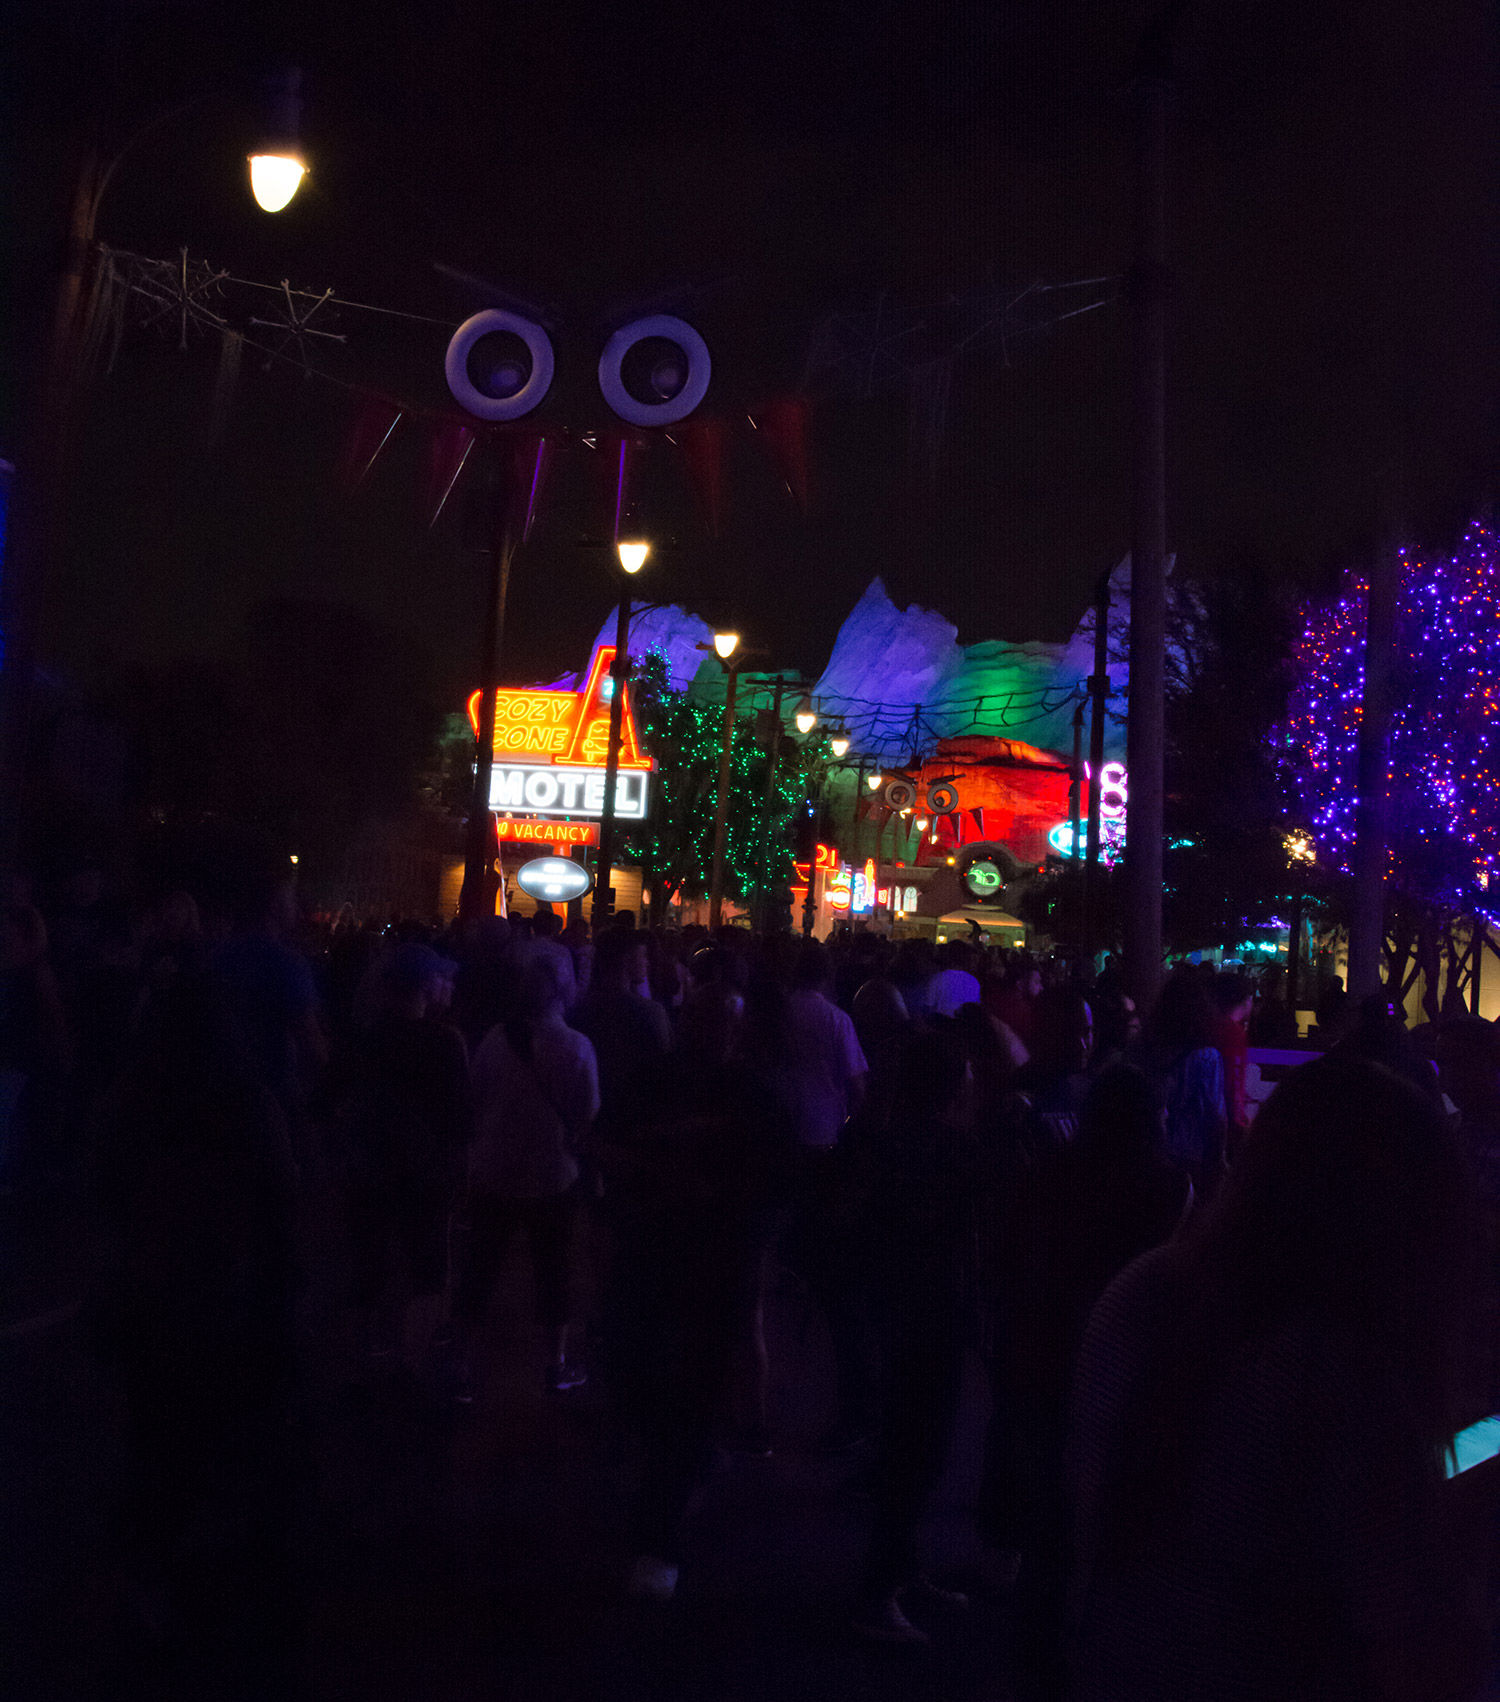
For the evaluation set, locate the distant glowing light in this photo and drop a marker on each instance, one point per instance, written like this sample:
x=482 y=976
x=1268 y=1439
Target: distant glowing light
x=726 y=643
x=807 y=716
x=274 y=180
x=633 y=559
x=839 y=745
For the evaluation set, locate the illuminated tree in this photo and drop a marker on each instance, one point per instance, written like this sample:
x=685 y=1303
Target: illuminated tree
x=1445 y=733
x=1444 y=786
x=684 y=737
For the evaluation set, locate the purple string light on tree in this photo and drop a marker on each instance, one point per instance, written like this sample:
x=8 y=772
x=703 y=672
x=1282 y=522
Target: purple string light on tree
x=1445 y=736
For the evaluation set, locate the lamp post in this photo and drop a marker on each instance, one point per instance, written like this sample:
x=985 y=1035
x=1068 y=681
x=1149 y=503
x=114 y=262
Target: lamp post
x=727 y=648
x=632 y=560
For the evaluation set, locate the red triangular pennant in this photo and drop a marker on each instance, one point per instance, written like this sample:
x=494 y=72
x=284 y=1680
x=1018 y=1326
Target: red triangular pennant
x=702 y=445
x=451 y=443
x=783 y=424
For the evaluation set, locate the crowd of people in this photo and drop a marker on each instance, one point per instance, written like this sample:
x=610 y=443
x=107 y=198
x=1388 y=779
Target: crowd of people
x=1224 y=1355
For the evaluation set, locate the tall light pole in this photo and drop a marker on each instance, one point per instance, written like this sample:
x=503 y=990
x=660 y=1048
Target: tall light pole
x=1148 y=586
x=475 y=898
x=632 y=560
x=727 y=647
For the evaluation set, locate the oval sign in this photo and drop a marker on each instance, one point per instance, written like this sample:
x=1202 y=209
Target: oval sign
x=983 y=878
x=554 y=880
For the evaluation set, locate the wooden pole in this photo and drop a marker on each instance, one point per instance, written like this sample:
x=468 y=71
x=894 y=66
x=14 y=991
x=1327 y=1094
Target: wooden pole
x=1148 y=583
x=475 y=897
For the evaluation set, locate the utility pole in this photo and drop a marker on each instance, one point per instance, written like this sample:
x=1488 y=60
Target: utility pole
x=1149 y=95
x=475 y=897
x=1098 y=697
x=721 y=801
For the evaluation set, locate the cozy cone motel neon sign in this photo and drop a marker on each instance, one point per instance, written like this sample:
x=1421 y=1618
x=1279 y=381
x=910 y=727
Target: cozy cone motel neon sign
x=551 y=748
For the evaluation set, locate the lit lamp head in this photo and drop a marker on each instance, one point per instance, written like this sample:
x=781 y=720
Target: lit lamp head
x=275 y=179
x=277 y=167
x=922 y=824
x=725 y=644
x=633 y=559
x=839 y=744
x=875 y=782
x=807 y=716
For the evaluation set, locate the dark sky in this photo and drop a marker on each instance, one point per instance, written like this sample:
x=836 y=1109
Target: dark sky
x=1334 y=311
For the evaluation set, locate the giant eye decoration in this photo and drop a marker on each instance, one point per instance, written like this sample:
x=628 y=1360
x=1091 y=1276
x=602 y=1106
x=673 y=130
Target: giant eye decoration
x=499 y=365
x=655 y=371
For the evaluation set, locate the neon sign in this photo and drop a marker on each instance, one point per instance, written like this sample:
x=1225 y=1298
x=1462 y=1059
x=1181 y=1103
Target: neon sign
x=838 y=889
x=551 y=791
x=547 y=832
x=565 y=728
x=1114 y=805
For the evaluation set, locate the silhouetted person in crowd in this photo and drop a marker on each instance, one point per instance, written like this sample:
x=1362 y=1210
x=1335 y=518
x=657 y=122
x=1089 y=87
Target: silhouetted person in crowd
x=1014 y=998
x=955 y=984
x=1233 y=998
x=193 y=1305
x=825 y=1081
x=1055 y=1079
x=1261 y=1413
x=1274 y=1022
x=536 y=1095
x=913 y=970
x=923 y=1225
x=1067 y=1229
x=699 y=1183
x=631 y=1035
x=1380 y=1034
x=401 y=1098
x=36 y=1050
x=272 y=993
x=1332 y=1012
x=1468 y=1051
x=1117 y=1026
x=485 y=983
x=1176 y=1050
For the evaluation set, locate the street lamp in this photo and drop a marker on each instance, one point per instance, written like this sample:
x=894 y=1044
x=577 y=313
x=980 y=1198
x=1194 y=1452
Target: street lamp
x=277 y=167
x=725 y=644
x=806 y=716
x=275 y=179
x=839 y=744
x=874 y=782
x=632 y=555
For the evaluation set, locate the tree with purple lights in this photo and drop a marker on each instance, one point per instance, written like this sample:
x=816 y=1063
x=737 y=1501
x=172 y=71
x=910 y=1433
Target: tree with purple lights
x=1445 y=738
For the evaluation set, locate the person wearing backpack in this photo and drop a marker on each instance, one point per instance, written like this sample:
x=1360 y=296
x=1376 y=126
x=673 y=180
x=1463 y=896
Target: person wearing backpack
x=535 y=1086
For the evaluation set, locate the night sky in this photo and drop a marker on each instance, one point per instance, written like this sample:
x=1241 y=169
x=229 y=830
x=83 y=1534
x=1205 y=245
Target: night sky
x=1334 y=315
